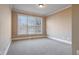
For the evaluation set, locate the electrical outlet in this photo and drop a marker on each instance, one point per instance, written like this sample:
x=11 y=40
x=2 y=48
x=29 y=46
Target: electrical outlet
x=77 y=52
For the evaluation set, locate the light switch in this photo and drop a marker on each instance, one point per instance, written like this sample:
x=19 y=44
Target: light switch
x=77 y=52
x=0 y=53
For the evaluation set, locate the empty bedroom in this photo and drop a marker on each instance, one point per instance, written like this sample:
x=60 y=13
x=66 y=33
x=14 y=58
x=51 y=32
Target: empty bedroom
x=36 y=29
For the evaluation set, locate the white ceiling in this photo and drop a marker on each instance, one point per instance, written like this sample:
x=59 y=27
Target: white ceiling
x=49 y=9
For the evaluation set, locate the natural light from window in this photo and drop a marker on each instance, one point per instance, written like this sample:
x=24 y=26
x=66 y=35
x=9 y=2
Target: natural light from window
x=29 y=25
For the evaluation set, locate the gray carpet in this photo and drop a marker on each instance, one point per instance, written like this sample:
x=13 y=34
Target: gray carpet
x=42 y=46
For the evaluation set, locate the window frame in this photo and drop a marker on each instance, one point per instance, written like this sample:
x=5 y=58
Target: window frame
x=27 y=26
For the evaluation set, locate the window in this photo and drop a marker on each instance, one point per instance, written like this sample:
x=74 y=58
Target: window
x=29 y=25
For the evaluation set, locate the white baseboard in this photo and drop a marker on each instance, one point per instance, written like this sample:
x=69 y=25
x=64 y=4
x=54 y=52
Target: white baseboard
x=7 y=49
x=60 y=40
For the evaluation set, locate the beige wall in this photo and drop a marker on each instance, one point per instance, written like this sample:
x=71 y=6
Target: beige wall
x=5 y=28
x=75 y=28
x=59 y=25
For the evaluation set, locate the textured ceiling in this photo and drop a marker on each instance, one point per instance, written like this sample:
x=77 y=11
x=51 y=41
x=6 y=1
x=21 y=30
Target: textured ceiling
x=49 y=9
